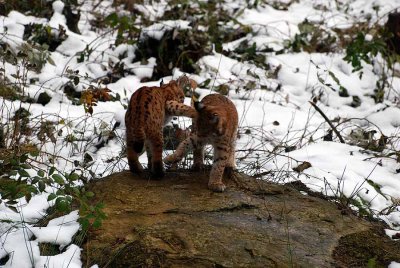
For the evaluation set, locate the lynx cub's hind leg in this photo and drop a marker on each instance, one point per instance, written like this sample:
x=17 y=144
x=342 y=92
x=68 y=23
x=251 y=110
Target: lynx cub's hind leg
x=149 y=155
x=133 y=159
x=230 y=165
x=156 y=146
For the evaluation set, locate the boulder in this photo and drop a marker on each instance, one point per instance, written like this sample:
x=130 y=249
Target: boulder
x=178 y=222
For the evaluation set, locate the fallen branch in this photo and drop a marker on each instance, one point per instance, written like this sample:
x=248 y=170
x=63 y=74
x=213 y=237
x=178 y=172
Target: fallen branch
x=328 y=121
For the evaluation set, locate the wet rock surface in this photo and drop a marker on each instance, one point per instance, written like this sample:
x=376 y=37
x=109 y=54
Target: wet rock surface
x=178 y=222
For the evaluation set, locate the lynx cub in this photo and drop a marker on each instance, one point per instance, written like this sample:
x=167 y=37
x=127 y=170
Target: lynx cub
x=148 y=110
x=215 y=124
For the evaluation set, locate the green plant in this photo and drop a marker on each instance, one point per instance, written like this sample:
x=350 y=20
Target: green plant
x=363 y=50
x=68 y=190
x=342 y=90
x=366 y=49
x=125 y=26
x=312 y=38
x=44 y=35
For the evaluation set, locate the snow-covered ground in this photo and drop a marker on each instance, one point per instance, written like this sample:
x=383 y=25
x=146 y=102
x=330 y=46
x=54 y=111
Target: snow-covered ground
x=279 y=129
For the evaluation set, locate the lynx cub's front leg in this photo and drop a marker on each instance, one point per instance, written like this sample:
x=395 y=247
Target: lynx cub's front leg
x=182 y=149
x=179 y=109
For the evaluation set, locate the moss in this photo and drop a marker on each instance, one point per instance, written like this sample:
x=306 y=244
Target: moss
x=361 y=249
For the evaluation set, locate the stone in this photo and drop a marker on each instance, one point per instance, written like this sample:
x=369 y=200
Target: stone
x=178 y=222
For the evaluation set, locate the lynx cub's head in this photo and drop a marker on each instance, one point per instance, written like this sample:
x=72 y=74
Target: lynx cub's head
x=186 y=84
x=211 y=118
x=177 y=89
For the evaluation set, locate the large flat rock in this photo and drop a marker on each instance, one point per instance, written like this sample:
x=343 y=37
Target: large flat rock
x=178 y=222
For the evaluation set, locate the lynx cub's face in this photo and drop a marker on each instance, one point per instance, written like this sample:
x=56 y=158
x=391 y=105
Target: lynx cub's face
x=211 y=119
x=216 y=124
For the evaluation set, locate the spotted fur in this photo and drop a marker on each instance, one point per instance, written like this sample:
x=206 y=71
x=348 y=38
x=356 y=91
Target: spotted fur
x=148 y=110
x=216 y=123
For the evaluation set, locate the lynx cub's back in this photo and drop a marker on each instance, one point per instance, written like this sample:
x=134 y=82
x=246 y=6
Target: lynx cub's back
x=216 y=123
x=149 y=108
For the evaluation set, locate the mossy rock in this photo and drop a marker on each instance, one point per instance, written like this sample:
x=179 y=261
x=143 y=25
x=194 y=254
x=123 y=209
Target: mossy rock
x=178 y=222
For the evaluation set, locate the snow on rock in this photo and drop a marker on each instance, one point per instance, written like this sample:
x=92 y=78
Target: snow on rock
x=144 y=70
x=157 y=30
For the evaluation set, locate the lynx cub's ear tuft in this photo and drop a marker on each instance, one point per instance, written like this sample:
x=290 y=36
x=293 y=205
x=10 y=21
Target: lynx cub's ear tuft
x=198 y=106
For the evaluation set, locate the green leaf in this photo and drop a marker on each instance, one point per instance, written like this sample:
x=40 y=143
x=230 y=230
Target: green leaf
x=28 y=197
x=89 y=194
x=60 y=192
x=51 y=61
x=23 y=158
x=58 y=179
x=112 y=19
x=73 y=177
x=41 y=173
x=51 y=196
x=62 y=204
x=23 y=173
x=41 y=186
x=76 y=191
x=11 y=202
x=34 y=153
x=13 y=208
x=35 y=180
x=14 y=162
x=52 y=169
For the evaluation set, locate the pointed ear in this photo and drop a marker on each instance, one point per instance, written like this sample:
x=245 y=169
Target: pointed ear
x=182 y=81
x=198 y=106
x=193 y=84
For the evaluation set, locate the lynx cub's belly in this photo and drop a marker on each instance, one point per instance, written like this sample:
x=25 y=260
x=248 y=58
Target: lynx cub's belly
x=149 y=108
x=216 y=123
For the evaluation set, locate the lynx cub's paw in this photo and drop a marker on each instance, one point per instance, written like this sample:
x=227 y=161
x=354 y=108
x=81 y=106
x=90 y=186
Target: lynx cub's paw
x=217 y=187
